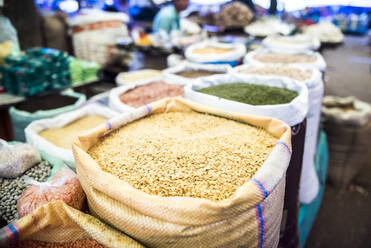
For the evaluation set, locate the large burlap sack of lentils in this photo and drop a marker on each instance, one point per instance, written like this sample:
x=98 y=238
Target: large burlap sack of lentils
x=58 y=225
x=166 y=209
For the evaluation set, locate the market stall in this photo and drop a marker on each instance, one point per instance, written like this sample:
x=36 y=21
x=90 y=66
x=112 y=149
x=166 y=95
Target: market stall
x=188 y=138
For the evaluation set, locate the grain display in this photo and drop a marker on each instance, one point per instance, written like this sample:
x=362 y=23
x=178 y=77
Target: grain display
x=184 y=154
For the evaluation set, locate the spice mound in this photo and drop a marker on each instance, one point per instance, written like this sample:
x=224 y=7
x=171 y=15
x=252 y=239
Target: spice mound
x=285 y=58
x=197 y=73
x=144 y=94
x=64 y=136
x=75 y=244
x=251 y=93
x=184 y=154
x=291 y=72
x=212 y=50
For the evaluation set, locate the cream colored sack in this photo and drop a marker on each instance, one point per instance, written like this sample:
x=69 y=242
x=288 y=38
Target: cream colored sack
x=56 y=222
x=250 y=218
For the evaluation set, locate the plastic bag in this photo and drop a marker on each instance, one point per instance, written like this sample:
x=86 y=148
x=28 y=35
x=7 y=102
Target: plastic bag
x=16 y=159
x=64 y=186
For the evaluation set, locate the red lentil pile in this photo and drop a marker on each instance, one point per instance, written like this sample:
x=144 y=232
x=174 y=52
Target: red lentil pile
x=148 y=93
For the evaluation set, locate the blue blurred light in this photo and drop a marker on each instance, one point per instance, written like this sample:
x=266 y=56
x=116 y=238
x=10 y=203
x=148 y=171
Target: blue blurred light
x=69 y=6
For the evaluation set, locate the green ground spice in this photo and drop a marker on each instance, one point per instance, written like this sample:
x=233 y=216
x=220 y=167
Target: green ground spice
x=251 y=93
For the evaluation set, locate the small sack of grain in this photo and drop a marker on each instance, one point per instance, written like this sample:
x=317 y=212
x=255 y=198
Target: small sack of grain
x=16 y=159
x=57 y=225
x=64 y=186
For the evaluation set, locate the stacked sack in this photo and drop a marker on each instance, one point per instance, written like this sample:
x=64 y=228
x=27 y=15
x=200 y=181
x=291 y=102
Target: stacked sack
x=347 y=122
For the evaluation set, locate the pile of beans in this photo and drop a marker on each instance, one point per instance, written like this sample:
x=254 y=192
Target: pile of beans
x=284 y=58
x=144 y=94
x=85 y=243
x=212 y=50
x=12 y=188
x=184 y=154
x=197 y=73
x=282 y=71
x=64 y=136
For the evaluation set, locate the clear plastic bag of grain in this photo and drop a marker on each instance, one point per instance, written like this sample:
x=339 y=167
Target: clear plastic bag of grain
x=16 y=159
x=64 y=186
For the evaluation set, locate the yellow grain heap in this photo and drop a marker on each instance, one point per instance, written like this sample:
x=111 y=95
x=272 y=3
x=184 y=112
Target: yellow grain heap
x=184 y=154
x=212 y=49
x=64 y=136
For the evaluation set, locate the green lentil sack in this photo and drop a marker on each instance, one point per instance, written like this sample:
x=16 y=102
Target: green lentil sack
x=280 y=98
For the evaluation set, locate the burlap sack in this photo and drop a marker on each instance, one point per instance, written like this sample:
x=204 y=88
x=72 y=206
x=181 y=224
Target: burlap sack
x=250 y=218
x=56 y=222
x=347 y=122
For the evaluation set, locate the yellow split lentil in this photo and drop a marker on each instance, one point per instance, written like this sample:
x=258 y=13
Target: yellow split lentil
x=64 y=136
x=212 y=50
x=184 y=154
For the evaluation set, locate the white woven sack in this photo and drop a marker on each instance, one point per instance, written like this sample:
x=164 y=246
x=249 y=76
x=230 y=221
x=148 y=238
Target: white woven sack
x=114 y=101
x=292 y=113
x=294 y=43
x=319 y=63
x=237 y=53
x=309 y=184
x=170 y=74
x=52 y=150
